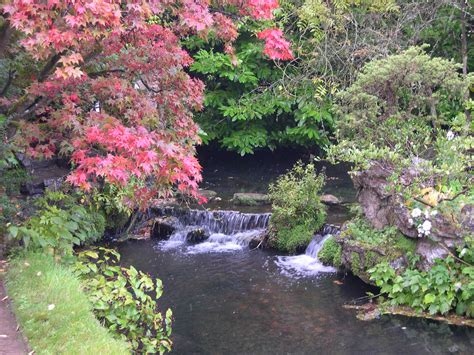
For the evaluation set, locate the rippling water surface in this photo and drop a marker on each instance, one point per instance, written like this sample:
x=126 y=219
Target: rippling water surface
x=243 y=302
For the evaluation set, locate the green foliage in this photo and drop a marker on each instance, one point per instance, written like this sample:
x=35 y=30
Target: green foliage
x=111 y=199
x=124 y=299
x=52 y=310
x=408 y=112
x=297 y=212
x=59 y=224
x=401 y=104
x=12 y=178
x=448 y=286
x=330 y=253
x=246 y=108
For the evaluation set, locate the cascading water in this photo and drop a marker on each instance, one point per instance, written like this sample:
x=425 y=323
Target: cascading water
x=226 y=230
x=308 y=263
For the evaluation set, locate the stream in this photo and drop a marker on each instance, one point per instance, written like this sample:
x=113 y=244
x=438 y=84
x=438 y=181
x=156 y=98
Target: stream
x=228 y=298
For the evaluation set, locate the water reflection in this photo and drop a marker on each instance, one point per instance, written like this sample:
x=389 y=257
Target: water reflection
x=239 y=303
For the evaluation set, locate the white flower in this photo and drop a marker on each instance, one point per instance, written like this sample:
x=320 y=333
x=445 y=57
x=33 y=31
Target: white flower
x=427 y=214
x=450 y=135
x=434 y=213
x=426 y=226
x=416 y=213
x=410 y=221
x=51 y=307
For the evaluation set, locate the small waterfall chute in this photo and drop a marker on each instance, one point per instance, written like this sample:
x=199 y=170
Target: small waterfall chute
x=306 y=264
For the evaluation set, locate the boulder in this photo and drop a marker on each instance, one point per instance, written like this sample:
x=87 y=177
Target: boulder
x=330 y=200
x=163 y=227
x=251 y=199
x=259 y=241
x=383 y=208
x=197 y=235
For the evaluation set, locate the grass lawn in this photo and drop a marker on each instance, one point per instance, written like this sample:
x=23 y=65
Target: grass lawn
x=53 y=312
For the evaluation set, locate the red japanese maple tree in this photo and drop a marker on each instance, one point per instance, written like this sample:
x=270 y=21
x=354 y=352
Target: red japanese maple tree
x=111 y=90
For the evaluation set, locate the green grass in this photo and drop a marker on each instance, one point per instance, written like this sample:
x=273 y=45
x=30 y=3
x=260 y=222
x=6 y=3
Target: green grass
x=34 y=283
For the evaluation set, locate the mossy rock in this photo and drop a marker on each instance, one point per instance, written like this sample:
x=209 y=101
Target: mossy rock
x=330 y=253
x=360 y=247
x=251 y=199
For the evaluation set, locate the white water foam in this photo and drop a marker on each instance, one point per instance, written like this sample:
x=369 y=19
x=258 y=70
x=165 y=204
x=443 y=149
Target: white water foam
x=306 y=264
x=216 y=243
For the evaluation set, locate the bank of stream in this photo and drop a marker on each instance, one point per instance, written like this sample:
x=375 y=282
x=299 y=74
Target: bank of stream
x=229 y=298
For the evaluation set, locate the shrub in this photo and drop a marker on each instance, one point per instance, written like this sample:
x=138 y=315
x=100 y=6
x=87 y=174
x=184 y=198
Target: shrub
x=359 y=232
x=124 y=299
x=297 y=212
x=59 y=224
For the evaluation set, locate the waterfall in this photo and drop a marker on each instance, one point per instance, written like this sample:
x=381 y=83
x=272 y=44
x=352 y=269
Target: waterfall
x=308 y=264
x=225 y=222
x=226 y=230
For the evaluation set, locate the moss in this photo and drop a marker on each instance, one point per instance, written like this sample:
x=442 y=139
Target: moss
x=355 y=263
x=292 y=239
x=371 y=259
x=331 y=252
x=250 y=199
x=337 y=260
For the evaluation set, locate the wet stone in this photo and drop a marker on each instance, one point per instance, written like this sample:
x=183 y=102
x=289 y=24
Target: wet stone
x=163 y=227
x=197 y=235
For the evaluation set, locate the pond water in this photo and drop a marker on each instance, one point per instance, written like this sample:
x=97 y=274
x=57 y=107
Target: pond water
x=242 y=301
x=229 y=299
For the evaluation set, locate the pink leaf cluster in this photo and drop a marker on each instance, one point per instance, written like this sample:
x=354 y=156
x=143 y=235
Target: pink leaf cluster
x=276 y=46
x=118 y=99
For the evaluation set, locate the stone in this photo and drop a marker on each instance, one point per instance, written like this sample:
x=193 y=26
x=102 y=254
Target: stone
x=208 y=194
x=259 y=241
x=163 y=227
x=330 y=200
x=251 y=199
x=429 y=251
x=383 y=208
x=53 y=184
x=197 y=235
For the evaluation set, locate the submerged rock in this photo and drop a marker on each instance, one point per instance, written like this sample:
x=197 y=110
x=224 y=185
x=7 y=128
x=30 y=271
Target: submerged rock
x=329 y=199
x=197 y=235
x=251 y=199
x=163 y=227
